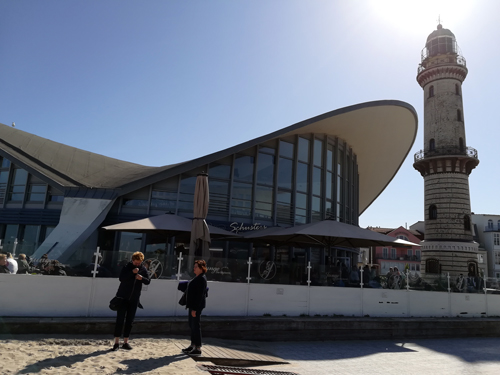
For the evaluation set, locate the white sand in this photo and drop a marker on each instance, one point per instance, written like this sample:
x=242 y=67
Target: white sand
x=37 y=354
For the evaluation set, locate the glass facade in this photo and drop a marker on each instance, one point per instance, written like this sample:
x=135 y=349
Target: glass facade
x=284 y=182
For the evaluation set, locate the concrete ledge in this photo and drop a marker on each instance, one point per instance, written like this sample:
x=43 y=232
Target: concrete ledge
x=269 y=328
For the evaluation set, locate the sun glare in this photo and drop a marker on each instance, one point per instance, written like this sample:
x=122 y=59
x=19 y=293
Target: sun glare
x=421 y=17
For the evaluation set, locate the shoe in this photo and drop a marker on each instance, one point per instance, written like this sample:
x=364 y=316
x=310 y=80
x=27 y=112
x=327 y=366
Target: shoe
x=187 y=350
x=115 y=347
x=126 y=346
x=195 y=352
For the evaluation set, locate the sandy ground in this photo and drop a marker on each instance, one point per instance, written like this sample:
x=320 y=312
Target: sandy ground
x=36 y=354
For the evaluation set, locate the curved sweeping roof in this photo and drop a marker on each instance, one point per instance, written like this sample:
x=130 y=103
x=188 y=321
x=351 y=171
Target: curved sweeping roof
x=381 y=134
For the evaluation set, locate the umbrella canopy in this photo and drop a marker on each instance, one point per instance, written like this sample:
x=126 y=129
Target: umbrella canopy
x=169 y=225
x=325 y=233
x=200 y=234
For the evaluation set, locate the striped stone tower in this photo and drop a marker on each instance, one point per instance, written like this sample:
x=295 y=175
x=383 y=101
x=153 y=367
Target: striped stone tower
x=446 y=162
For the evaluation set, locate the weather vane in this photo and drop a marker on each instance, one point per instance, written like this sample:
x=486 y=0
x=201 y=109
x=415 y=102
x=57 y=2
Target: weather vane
x=439 y=19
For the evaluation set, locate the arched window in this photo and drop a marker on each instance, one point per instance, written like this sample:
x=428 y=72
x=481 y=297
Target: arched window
x=459 y=115
x=432 y=145
x=431 y=91
x=402 y=237
x=433 y=213
x=457 y=89
x=490 y=224
x=461 y=144
x=432 y=266
x=498 y=225
x=467 y=222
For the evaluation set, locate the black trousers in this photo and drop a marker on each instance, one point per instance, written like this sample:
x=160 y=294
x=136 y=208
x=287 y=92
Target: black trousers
x=125 y=314
x=194 y=325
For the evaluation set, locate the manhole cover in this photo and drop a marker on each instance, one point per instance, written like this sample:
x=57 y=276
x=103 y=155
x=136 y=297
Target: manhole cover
x=214 y=370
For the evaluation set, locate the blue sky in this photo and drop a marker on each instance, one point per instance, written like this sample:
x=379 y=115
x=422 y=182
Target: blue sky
x=129 y=79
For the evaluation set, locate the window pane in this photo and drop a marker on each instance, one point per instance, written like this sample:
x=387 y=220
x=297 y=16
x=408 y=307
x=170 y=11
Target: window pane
x=302 y=176
x=284 y=207
x=263 y=202
x=37 y=193
x=286 y=149
x=264 y=194
x=241 y=208
x=28 y=242
x=265 y=169
x=219 y=197
x=301 y=200
x=165 y=200
x=4 y=176
x=20 y=177
x=301 y=208
x=242 y=190
x=285 y=175
x=186 y=194
x=187 y=184
x=5 y=163
x=135 y=202
x=329 y=210
x=303 y=154
x=243 y=168
x=241 y=204
x=10 y=237
x=329 y=158
x=316 y=185
x=130 y=242
x=316 y=209
x=318 y=152
x=219 y=171
x=267 y=150
x=329 y=185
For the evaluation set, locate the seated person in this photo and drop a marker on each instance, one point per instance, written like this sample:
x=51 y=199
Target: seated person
x=11 y=263
x=23 y=266
x=3 y=264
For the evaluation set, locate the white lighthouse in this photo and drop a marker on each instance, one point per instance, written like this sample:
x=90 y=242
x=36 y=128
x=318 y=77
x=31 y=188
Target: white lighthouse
x=446 y=161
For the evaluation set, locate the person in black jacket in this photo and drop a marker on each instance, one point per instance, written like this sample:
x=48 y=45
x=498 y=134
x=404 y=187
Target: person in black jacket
x=195 y=302
x=132 y=276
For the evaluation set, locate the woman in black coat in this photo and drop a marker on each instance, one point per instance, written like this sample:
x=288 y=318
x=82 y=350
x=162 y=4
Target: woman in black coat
x=132 y=276
x=196 y=294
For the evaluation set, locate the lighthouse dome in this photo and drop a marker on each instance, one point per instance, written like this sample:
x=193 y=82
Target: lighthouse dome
x=440 y=32
x=441 y=41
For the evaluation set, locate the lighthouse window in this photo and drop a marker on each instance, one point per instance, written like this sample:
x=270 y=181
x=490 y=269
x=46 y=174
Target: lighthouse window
x=461 y=144
x=431 y=91
x=432 y=145
x=432 y=212
x=457 y=89
x=459 y=115
x=466 y=222
x=432 y=266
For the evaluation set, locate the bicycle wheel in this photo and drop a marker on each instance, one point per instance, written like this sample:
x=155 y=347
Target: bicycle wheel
x=155 y=269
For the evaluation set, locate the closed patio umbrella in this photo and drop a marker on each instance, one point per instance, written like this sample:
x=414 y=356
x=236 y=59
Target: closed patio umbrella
x=200 y=234
x=325 y=233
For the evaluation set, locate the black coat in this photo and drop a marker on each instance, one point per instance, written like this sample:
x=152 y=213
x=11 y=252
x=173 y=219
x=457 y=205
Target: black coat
x=197 y=293
x=130 y=288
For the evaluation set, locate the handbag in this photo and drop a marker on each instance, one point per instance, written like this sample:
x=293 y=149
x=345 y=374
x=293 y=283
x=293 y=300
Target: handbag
x=182 y=301
x=116 y=303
